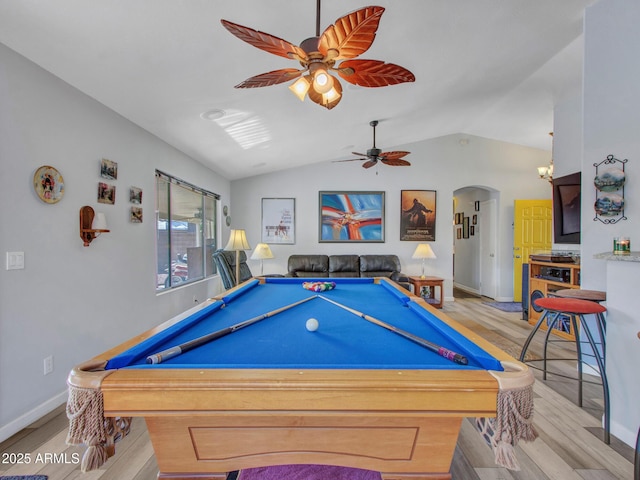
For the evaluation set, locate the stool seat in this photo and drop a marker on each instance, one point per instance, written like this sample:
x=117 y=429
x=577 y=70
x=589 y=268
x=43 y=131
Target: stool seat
x=592 y=295
x=558 y=311
x=569 y=305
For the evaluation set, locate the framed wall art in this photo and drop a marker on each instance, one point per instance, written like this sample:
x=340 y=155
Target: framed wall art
x=48 y=184
x=465 y=227
x=135 y=215
x=108 y=169
x=418 y=215
x=278 y=220
x=351 y=216
x=135 y=195
x=106 y=193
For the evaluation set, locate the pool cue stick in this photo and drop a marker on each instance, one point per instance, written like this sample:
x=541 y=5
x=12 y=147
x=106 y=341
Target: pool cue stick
x=196 y=342
x=448 y=354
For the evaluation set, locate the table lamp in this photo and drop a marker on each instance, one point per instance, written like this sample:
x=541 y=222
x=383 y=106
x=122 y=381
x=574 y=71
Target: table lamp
x=237 y=242
x=261 y=252
x=423 y=250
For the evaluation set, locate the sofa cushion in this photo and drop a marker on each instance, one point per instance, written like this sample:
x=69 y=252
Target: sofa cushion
x=379 y=265
x=308 y=265
x=344 y=266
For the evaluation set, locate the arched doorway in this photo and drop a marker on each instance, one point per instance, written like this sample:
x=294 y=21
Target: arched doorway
x=475 y=237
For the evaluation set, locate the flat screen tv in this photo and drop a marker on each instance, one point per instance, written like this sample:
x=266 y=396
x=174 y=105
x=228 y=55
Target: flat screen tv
x=566 y=208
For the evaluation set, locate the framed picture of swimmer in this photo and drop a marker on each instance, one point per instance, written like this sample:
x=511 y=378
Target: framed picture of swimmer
x=278 y=220
x=418 y=215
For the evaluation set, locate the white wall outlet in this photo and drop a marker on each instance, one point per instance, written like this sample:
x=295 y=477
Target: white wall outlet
x=15 y=260
x=48 y=365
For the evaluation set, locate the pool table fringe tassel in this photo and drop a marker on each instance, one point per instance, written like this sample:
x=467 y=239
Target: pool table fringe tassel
x=513 y=422
x=88 y=426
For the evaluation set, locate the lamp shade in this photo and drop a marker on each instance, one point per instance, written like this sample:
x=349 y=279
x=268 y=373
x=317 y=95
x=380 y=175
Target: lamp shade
x=237 y=241
x=261 y=252
x=423 y=250
x=99 y=222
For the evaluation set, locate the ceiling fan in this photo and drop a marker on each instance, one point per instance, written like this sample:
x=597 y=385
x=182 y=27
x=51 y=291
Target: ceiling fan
x=349 y=37
x=375 y=154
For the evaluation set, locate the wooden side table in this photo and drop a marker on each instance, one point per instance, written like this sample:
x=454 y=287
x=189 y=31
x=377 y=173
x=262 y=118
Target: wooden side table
x=431 y=282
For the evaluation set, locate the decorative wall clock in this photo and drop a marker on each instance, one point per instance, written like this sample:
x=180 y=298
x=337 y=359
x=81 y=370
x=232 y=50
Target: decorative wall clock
x=48 y=184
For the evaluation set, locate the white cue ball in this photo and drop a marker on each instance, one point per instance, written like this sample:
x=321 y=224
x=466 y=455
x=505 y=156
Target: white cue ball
x=312 y=324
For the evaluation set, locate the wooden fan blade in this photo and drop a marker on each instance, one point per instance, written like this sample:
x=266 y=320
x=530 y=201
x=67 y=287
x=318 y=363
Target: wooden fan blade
x=351 y=35
x=361 y=154
x=270 y=78
x=369 y=164
x=264 y=41
x=374 y=73
x=395 y=162
x=319 y=98
x=393 y=155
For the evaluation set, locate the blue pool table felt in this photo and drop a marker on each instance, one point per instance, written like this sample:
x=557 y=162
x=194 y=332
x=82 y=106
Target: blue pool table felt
x=343 y=340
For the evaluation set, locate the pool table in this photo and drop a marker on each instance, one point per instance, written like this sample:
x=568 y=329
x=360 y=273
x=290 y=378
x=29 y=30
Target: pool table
x=352 y=393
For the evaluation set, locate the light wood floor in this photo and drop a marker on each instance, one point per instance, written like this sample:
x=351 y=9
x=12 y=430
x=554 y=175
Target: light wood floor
x=569 y=446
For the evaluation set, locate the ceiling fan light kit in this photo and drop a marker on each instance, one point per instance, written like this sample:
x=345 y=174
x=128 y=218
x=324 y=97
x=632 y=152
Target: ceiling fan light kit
x=349 y=37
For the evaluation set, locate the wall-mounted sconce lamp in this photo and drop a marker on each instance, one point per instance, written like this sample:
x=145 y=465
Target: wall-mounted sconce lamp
x=91 y=225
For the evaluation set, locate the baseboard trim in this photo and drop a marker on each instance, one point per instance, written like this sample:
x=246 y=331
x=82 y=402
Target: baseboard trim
x=13 y=427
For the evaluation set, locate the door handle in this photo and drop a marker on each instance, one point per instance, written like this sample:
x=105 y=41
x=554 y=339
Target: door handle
x=517 y=256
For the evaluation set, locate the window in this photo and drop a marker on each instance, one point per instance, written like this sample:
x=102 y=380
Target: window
x=185 y=232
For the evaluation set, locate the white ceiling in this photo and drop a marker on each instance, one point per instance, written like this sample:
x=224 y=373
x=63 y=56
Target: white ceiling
x=493 y=68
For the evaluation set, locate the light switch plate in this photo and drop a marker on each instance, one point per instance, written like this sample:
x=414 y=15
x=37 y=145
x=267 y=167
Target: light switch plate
x=15 y=260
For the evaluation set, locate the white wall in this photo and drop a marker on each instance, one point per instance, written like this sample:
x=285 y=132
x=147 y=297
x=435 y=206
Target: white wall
x=444 y=164
x=611 y=119
x=70 y=301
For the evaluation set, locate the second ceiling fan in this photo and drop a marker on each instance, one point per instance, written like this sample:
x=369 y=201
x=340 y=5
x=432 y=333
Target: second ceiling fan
x=374 y=154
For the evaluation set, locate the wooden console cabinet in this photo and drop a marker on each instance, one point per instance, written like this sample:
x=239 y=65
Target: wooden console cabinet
x=546 y=278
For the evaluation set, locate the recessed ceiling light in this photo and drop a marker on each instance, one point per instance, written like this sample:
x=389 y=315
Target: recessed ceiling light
x=212 y=115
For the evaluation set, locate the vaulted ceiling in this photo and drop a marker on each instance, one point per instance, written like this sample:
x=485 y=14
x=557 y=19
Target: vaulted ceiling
x=492 y=68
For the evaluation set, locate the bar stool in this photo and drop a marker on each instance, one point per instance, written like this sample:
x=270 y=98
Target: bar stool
x=554 y=308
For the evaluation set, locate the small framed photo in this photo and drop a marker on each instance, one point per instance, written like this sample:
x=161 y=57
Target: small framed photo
x=136 y=215
x=465 y=227
x=108 y=169
x=106 y=193
x=279 y=220
x=135 y=195
x=458 y=233
x=474 y=220
x=472 y=230
x=477 y=206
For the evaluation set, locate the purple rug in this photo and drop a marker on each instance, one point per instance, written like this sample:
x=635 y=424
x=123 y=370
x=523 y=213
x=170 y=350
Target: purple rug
x=307 y=472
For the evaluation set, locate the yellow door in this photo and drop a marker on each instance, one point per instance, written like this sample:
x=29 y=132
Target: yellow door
x=531 y=234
